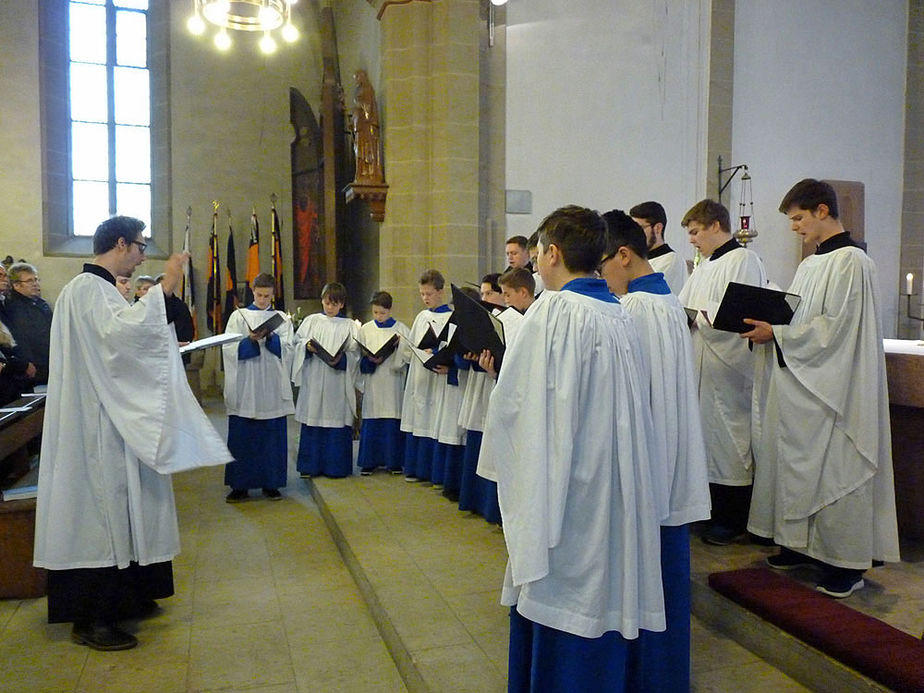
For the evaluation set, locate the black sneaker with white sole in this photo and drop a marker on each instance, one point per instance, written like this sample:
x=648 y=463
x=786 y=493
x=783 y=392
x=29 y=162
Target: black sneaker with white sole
x=840 y=586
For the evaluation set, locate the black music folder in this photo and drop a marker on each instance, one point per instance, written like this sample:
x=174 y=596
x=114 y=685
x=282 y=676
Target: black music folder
x=269 y=325
x=331 y=359
x=478 y=329
x=758 y=303
x=380 y=351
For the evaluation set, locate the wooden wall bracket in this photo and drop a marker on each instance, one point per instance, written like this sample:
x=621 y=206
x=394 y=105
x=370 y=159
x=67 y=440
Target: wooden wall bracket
x=373 y=193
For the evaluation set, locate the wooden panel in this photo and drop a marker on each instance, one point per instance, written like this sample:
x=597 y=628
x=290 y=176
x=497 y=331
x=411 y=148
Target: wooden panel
x=907 y=443
x=18 y=578
x=905 y=373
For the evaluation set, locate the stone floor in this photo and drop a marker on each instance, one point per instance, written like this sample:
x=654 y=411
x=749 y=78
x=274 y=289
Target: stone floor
x=360 y=584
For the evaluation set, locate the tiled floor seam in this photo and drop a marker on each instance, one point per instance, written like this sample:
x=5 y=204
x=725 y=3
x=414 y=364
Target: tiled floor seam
x=396 y=647
x=796 y=659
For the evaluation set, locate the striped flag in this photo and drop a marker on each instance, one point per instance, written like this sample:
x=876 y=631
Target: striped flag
x=231 y=300
x=187 y=288
x=253 y=257
x=279 y=300
x=213 y=295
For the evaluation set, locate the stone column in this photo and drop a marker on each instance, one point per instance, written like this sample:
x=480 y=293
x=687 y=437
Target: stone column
x=430 y=71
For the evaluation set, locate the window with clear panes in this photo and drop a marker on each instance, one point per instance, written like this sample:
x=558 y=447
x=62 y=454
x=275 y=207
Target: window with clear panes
x=109 y=112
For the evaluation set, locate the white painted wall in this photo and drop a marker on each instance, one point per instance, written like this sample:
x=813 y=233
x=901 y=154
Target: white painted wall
x=819 y=91
x=606 y=106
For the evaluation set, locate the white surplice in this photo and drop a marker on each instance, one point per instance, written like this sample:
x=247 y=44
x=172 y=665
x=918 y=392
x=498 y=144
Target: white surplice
x=424 y=389
x=569 y=431
x=258 y=387
x=326 y=396
x=119 y=418
x=724 y=367
x=681 y=460
x=822 y=442
x=479 y=384
x=383 y=389
x=673 y=267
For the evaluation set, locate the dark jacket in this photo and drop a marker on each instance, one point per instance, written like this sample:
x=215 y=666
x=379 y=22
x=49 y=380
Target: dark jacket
x=29 y=319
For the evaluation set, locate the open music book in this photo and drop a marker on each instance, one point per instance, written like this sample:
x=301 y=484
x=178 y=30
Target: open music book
x=214 y=340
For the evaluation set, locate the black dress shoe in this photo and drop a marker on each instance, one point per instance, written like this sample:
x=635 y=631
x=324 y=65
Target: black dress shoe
x=139 y=609
x=102 y=636
x=237 y=495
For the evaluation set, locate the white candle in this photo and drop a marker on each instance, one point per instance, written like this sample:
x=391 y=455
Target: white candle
x=909 y=283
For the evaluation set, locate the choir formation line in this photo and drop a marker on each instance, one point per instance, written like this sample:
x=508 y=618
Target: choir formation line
x=612 y=416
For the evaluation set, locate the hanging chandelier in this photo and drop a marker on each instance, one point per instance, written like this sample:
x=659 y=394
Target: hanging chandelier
x=244 y=15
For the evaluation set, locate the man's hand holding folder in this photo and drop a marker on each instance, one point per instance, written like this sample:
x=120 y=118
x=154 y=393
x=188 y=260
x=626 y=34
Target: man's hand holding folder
x=752 y=310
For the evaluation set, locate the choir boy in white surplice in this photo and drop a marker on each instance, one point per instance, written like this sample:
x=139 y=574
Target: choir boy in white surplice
x=471 y=394
x=326 y=405
x=478 y=491
x=381 y=442
x=823 y=489
x=724 y=368
x=568 y=430
x=680 y=464
x=662 y=258
x=424 y=390
x=258 y=396
x=119 y=419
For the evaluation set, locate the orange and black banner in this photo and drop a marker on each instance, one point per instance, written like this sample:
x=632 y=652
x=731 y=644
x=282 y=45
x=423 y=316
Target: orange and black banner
x=253 y=257
x=279 y=295
x=213 y=295
x=231 y=300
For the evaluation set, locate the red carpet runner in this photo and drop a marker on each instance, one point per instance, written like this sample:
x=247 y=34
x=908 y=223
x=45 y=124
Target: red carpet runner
x=875 y=649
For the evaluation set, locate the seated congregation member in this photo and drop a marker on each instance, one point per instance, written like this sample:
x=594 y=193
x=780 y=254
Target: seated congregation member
x=679 y=465
x=823 y=489
x=381 y=380
x=424 y=389
x=15 y=371
x=662 y=258
x=143 y=284
x=28 y=317
x=119 y=419
x=4 y=290
x=258 y=396
x=124 y=285
x=724 y=368
x=568 y=430
x=326 y=403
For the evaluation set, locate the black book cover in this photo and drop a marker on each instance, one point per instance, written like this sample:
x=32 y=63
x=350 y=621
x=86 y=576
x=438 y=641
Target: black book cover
x=757 y=303
x=270 y=324
x=331 y=359
x=384 y=351
x=477 y=328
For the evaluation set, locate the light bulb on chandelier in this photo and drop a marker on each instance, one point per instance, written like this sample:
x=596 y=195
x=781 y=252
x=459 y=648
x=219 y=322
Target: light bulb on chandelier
x=244 y=15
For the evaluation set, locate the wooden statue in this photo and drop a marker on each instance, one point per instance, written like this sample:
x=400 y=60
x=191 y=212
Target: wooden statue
x=364 y=122
x=369 y=180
